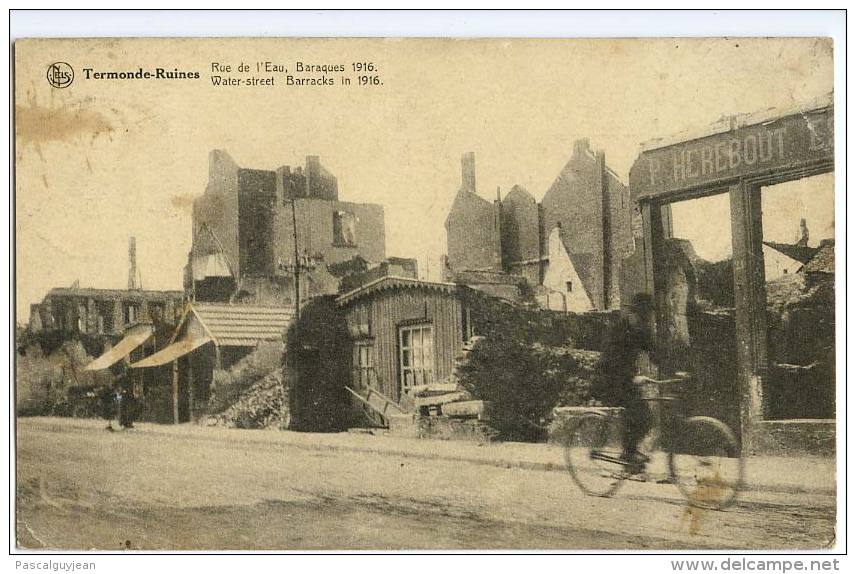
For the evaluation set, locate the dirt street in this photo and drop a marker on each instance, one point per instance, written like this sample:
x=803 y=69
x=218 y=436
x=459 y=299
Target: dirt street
x=84 y=488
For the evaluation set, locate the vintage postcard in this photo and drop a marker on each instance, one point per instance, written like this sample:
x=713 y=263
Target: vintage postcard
x=425 y=294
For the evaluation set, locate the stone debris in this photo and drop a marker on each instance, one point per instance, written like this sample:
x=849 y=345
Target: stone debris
x=259 y=407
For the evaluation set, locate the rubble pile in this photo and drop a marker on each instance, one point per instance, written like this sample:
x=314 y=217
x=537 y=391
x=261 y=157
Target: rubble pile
x=250 y=393
x=229 y=385
x=258 y=407
x=43 y=378
x=790 y=291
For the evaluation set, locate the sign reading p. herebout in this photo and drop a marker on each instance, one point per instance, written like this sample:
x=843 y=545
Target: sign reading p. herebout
x=795 y=141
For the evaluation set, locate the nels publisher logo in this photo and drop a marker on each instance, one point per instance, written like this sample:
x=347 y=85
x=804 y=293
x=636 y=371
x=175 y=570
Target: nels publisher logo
x=60 y=75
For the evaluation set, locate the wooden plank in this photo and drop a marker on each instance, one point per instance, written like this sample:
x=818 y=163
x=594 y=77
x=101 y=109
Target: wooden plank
x=380 y=403
x=432 y=389
x=419 y=402
x=377 y=402
x=467 y=409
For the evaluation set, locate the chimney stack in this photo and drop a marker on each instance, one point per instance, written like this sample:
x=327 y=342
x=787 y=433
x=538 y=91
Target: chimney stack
x=468 y=171
x=132 y=263
x=313 y=174
x=581 y=146
x=803 y=242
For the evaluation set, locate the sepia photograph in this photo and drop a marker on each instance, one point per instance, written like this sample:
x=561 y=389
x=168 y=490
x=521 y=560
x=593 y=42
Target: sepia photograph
x=425 y=294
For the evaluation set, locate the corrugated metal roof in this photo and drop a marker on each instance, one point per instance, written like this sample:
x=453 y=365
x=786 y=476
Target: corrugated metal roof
x=242 y=325
x=392 y=282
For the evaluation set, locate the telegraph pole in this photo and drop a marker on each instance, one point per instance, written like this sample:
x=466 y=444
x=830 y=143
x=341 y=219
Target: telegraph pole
x=132 y=264
x=285 y=413
x=296 y=258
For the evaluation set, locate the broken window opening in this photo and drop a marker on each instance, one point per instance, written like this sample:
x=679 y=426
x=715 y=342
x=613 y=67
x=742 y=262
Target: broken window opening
x=799 y=276
x=131 y=312
x=697 y=279
x=344 y=229
x=157 y=311
x=105 y=317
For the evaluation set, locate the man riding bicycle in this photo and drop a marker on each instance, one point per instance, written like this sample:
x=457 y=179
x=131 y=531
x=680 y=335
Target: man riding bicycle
x=629 y=344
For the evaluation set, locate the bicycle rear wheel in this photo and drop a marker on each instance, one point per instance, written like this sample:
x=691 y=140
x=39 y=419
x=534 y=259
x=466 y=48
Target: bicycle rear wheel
x=706 y=463
x=592 y=454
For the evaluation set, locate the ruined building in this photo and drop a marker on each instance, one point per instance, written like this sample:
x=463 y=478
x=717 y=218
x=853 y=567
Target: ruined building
x=87 y=311
x=74 y=310
x=593 y=208
x=568 y=248
x=473 y=226
x=244 y=233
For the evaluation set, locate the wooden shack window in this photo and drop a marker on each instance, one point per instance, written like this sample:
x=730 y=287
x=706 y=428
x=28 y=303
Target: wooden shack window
x=416 y=356
x=364 y=366
x=467 y=330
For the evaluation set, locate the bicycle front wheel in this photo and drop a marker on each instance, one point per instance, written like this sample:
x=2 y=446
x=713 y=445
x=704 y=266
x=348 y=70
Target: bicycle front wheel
x=706 y=463
x=592 y=454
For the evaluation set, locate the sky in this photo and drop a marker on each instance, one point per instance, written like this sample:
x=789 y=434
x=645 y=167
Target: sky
x=102 y=160
x=782 y=207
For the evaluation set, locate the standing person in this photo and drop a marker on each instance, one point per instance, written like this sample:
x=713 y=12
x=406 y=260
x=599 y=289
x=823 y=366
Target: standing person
x=109 y=405
x=128 y=404
x=629 y=340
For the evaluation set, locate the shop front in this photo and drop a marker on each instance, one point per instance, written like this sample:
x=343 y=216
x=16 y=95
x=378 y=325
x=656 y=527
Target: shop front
x=743 y=158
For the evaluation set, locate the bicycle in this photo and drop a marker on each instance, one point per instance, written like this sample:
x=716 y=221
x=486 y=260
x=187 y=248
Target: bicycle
x=704 y=459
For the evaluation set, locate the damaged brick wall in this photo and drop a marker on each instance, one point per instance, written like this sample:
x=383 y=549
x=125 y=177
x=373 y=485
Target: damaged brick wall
x=249 y=212
x=256 y=218
x=472 y=226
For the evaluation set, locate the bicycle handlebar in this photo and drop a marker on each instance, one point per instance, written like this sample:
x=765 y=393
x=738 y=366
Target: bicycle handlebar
x=679 y=379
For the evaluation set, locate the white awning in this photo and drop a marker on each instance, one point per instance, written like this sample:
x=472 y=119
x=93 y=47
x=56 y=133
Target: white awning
x=135 y=337
x=213 y=265
x=172 y=352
